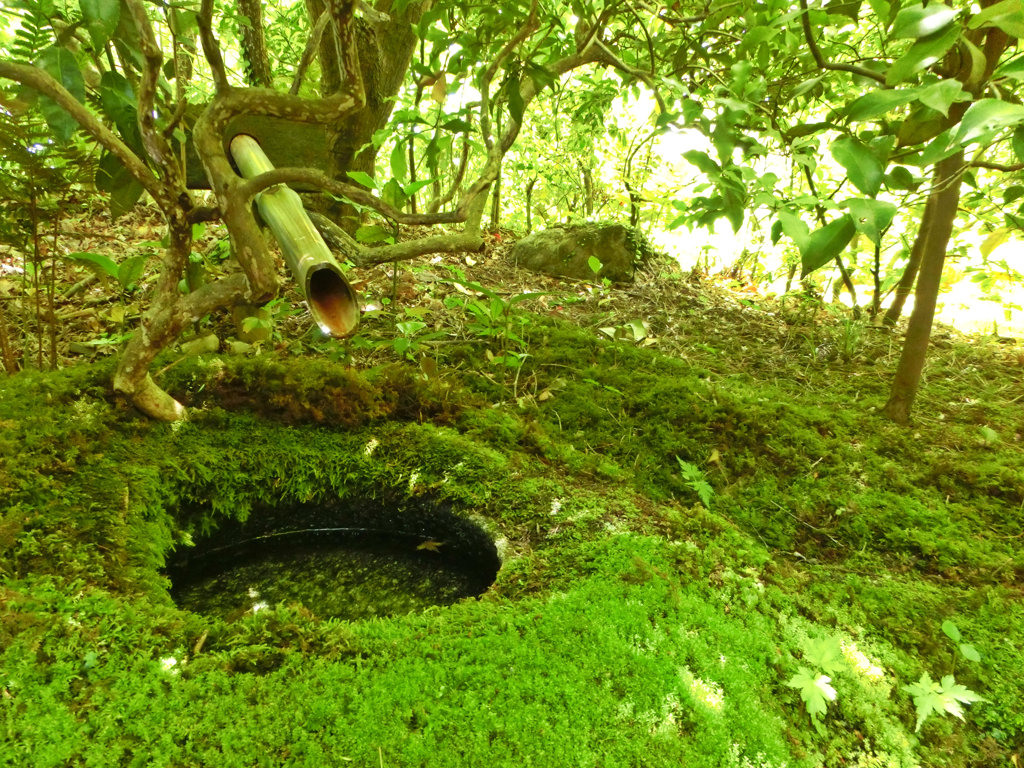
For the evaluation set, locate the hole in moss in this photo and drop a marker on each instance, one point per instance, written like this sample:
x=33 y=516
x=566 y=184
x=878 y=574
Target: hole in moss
x=353 y=560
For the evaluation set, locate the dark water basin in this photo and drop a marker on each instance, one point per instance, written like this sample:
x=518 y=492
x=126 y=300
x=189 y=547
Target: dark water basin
x=352 y=561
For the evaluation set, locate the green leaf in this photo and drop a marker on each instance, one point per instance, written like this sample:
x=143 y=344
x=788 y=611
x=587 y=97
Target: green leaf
x=61 y=65
x=996 y=15
x=1018 y=143
x=922 y=55
x=372 y=234
x=183 y=22
x=794 y=228
x=124 y=189
x=458 y=125
x=410 y=327
x=979 y=65
x=1013 y=193
x=917 y=21
x=880 y=102
x=1014 y=70
x=102 y=266
x=883 y=10
x=399 y=167
x=871 y=217
x=806 y=86
x=825 y=654
x=945 y=698
x=515 y=99
x=393 y=195
x=595 y=264
x=969 y=651
x=130 y=271
x=543 y=77
x=848 y=8
x=949 y=629
x=816 y=692
x=826 y=243
x=942 y=95
x=985 y=118
x=923 y=124
x=703 y=162
x=360 y=177
x=901 y=178
x=862 y=166
x=414 y=187
x=118 y=104
x=117 y=98
x=101 y=18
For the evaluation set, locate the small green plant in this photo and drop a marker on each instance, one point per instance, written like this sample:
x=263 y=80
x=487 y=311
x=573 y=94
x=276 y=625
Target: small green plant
x=695 y=480
x=816 y=692
x=825 y=657
x=968 y=651
x=492 y=315
x=638 y=331
x=942 y=697
x=127 y=273
x=945 y=696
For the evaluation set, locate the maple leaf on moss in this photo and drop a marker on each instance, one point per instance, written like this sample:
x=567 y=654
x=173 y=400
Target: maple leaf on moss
x=816 y=692
x=931 y=697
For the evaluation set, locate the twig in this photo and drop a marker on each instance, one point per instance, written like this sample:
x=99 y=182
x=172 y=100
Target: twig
x=820 y=60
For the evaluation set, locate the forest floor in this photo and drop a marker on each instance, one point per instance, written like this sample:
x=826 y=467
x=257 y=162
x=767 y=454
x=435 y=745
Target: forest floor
x=716 y=551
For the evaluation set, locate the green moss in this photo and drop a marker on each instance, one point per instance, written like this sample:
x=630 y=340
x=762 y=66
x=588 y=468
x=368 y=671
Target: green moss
x=624 y=605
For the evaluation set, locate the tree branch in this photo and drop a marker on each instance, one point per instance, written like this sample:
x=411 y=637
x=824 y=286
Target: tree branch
x=156 y=145
x=211 y=48
x=996 y=166
x=316 y=178
x=307 y=55
x=41 y=81
x=820 y=60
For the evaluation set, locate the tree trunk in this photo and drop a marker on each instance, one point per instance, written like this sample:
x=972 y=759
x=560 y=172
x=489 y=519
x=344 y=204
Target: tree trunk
x=496 y=203
x=943 y=203
x=906 y=283
x=254 y=45
x=529 y=203
x=386 y=46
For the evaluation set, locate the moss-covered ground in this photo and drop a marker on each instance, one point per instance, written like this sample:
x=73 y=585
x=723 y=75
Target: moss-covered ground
x=695 y=510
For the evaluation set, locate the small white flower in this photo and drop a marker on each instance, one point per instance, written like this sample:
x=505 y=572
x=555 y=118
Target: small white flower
x=169 y=665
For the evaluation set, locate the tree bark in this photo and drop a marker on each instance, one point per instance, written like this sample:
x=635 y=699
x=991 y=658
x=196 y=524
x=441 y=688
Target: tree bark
x=386 y=45
x=943 y=202
x=906 y=283
x=254 y=45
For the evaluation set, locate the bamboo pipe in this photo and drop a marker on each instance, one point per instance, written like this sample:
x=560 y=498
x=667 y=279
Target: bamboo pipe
x=333 y=303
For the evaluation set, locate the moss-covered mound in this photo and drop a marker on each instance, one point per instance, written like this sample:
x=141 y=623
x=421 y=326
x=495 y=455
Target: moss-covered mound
x=701 y=566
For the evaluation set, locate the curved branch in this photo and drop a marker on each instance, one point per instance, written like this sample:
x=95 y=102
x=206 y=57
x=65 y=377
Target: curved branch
x=489 y=73
x=211 y=49
x=316 y=178
x=996 y=166
x=307 y=55
x=41 y=81
x=820 y=60
x=155 y=143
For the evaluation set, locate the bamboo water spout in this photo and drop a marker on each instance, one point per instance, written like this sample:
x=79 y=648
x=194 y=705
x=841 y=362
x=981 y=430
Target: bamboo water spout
x=332 y=301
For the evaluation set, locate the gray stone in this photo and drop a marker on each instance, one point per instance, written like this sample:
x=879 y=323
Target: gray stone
x=566 y=251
